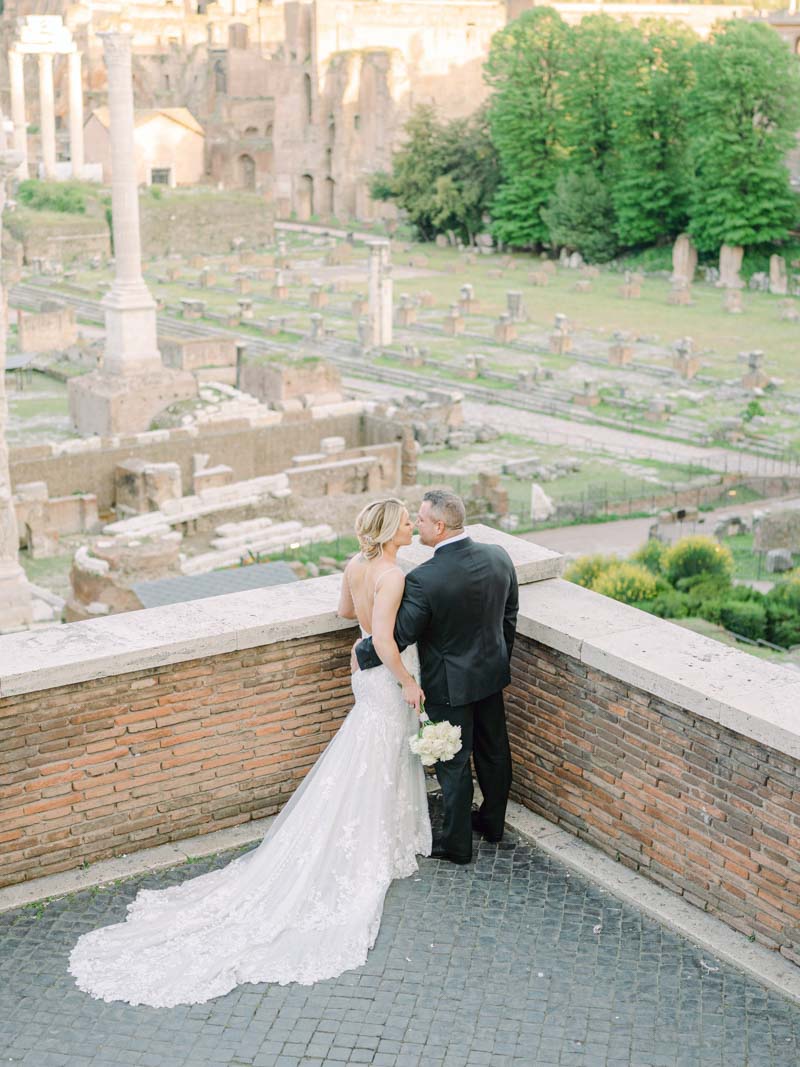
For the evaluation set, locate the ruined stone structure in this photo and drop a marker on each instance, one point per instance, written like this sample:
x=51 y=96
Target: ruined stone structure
x=46 y=37
x=302 y=100
x=16 y=609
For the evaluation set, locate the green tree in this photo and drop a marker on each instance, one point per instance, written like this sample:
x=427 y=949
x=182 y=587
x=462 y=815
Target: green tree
x=595 y=50
x=650 y=170
x=580 y=216
x=525 y=69
x=742 y=118
x=445 y=174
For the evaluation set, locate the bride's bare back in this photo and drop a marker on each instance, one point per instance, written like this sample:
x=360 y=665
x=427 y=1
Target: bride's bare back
x=364 y=580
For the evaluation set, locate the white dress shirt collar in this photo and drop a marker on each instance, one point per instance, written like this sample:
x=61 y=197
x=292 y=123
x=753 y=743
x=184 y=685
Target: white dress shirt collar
x=451 y=540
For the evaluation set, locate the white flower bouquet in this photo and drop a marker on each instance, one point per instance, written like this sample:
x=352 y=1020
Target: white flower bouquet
x=435 y=742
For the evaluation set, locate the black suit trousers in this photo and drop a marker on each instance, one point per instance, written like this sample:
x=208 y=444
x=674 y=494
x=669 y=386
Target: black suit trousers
x=485 y=738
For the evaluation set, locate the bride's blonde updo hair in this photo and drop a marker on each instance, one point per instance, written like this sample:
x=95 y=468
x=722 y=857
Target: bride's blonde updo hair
x=377 y=524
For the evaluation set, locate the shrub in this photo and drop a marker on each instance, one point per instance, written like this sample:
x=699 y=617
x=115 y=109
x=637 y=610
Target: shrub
x=66 y=197
x=783 y=623
x=668 y=605
x=786 y=592
x=651 y=555
x=585 y=570
x=697 y=555
x=745 y=618
x=628 y=582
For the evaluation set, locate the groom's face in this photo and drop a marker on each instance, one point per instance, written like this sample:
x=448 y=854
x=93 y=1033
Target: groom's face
x=430 y=529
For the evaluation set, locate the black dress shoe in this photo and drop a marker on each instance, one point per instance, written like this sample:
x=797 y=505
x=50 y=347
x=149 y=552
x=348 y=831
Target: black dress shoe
x=438 y=853
x=478 y=827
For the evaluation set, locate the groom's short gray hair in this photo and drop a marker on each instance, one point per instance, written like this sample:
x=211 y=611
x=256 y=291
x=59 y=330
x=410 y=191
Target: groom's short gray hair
x=447 y=507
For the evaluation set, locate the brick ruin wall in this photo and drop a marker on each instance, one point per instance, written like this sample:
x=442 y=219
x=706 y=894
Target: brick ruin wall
x=711 y=815
x=105 y=767
x=249 y=451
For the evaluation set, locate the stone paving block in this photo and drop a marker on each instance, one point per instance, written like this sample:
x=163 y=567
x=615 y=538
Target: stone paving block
x=492 y=964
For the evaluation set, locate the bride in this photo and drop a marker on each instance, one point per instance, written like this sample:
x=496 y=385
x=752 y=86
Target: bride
x=306 y=904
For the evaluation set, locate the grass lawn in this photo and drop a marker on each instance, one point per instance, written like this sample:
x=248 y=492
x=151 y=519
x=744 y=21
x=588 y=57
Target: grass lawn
x=747 y=564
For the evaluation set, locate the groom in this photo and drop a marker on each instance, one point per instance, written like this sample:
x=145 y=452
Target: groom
x=460 y=606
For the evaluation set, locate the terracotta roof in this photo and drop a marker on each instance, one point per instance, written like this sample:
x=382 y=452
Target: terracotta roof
x=181 y=115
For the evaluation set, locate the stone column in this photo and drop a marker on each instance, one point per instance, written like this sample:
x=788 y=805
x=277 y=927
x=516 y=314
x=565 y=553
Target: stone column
x=16 y=608
x=133 y=385
x=16 y=68
x=75 y=114
x=48 y=114
x=380 y=294
x=130 y=309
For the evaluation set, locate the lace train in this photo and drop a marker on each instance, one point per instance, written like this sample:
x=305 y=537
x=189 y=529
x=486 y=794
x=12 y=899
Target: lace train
x=306 y=904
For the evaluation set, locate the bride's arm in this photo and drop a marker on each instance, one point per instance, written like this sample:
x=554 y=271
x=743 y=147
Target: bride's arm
x=384 y=613
x=347 y=608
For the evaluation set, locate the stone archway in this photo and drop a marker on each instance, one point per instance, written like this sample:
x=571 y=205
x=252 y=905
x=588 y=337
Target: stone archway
x=305 y=198
x=246 y=167
x=330 y=197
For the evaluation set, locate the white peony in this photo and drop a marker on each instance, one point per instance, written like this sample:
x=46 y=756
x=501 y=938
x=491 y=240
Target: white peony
x=436 y=742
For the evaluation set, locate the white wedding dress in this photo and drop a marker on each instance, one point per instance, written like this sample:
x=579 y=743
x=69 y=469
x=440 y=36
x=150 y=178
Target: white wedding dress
x=303 y=906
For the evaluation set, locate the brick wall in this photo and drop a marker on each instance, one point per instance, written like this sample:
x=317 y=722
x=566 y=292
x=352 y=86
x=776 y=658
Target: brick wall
x=97 y=769
x=710 y=814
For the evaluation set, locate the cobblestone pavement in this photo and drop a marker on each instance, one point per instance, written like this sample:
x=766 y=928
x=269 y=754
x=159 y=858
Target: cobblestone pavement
x=512 y=960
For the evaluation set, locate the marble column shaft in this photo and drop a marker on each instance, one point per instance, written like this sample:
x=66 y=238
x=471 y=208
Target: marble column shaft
x=131 y=346
x=76 y=114
x=48 y=114
x=380 y=293
x=16 y=68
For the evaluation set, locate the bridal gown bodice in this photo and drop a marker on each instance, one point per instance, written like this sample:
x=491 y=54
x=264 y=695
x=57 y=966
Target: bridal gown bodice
x=306 y=904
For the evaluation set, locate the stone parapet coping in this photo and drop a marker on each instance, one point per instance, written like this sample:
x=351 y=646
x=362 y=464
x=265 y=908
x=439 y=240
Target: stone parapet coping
x=748 y=695
x=37 y=660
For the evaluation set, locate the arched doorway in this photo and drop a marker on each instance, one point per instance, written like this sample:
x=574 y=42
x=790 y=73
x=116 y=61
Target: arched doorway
x=330 y=197
x=305 y=198
x=247 y=172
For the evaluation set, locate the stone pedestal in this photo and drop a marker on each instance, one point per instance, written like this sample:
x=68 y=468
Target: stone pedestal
x=620 y=353
x=504 y=329
x=407 y=312
x=681 y=294
x=732 y=303
x=207 y=279
x=318 y=298
x=514 y=306
x=454 y=323
x=632 y=287
x=467 y=304
x=560 y=340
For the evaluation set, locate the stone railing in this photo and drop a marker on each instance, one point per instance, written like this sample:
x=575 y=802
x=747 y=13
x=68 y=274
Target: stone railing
x=672 y=753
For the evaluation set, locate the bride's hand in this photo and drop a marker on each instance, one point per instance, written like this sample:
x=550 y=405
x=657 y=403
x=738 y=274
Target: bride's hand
x=412 y=694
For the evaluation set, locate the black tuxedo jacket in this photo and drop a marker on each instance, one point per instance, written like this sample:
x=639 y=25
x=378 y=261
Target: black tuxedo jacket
x=460 y=607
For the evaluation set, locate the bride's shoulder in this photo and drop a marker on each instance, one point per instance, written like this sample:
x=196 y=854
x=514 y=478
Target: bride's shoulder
x=390 y=574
